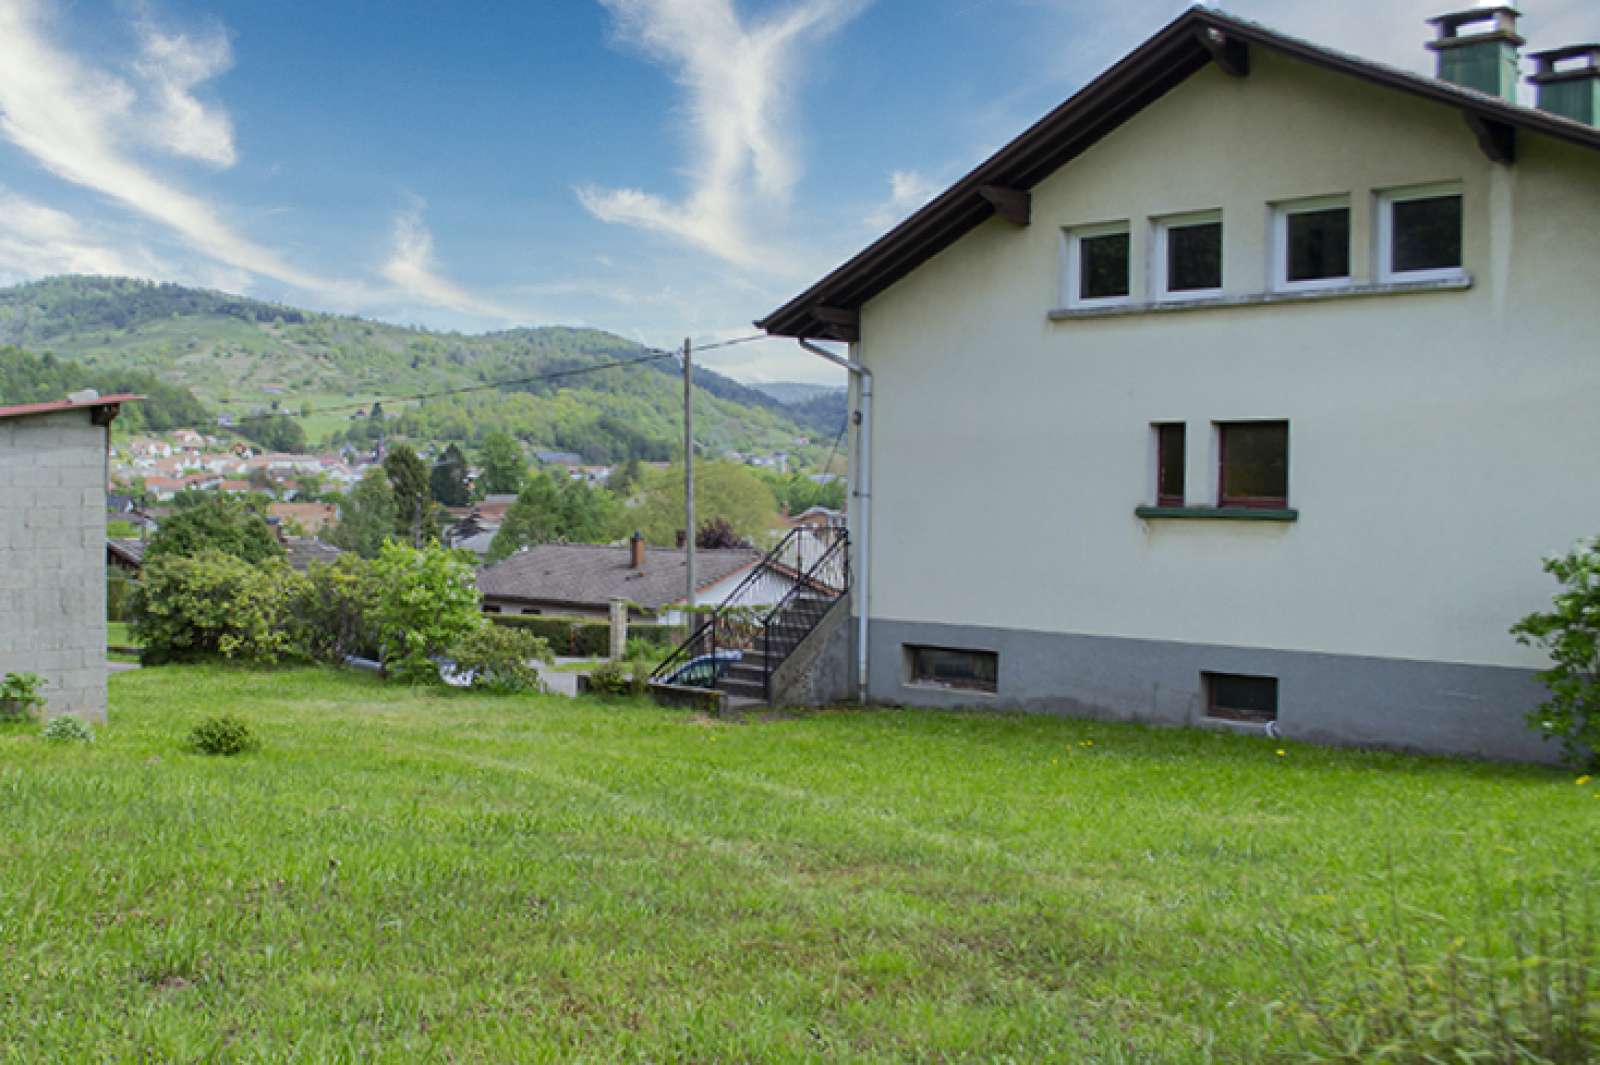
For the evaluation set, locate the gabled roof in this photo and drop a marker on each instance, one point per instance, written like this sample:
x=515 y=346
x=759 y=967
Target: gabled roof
x=589 y=575
x=1198 y=37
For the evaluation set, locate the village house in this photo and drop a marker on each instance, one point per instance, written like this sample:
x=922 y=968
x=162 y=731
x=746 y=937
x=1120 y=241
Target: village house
x=53 y=547
x=1268 y=375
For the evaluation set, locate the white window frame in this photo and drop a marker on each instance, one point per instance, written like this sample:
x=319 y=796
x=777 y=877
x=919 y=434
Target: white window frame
x=1383 y=250
x=1072 y=266
x=1159 y=228
x=1281 y=213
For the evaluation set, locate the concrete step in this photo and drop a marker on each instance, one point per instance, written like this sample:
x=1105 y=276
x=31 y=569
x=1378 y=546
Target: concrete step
x=738 y=686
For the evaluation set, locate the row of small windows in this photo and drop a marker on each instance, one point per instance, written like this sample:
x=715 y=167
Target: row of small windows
x=1229 y=696
x=1418 y=239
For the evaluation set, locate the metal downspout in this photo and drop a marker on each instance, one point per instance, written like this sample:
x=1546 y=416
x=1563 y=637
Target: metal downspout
x=863 y=495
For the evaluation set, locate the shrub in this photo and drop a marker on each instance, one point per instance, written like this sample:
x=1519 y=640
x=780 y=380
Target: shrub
x=500 y=659
x=425 y=601
x=219 y=523
x=587 y=637
x=333 y=610
x=19 y=695
x=619 y=678
x=1570 y=632
x=215 y=604
x=68 y=729
x=225 y=735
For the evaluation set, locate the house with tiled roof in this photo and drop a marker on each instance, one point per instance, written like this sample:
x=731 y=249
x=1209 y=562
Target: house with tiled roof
x=1270 y=373
x=582 y=579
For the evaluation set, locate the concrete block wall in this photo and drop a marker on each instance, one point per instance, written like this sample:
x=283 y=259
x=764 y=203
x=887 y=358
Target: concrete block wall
x=52 y=557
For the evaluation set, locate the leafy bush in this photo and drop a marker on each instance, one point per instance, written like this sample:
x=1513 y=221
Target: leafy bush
x=224 y=735
x=215 y=604
x=19 y=695
x=118 y=591
x=499 y=659
x=68 y=729
x=1571 y=634
x=619 y=678
x=333 y=609
x=425 y=601
x=220 y=523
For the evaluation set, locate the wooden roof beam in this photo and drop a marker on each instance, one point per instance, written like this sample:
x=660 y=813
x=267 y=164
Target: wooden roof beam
x=1496 y=140
x=1230 y=55
x=1014 y=205
x=840 y=323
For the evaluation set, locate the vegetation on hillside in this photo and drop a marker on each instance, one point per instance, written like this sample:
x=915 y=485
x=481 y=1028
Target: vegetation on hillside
x=546 y=386
x=27 y=378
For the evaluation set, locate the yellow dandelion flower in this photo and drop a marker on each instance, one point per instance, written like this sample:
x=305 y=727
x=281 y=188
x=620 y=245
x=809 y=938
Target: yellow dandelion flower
x=1582 y=781
x=1280 y=751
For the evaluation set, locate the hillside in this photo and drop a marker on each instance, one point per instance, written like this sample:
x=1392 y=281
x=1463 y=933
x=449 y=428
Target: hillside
x=241 y=357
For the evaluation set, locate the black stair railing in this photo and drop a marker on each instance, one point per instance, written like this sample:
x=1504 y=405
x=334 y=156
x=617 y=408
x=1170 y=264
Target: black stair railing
x=767 y=613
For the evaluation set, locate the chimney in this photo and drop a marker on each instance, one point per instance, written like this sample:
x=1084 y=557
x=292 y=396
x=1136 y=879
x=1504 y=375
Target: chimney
x=1485 y=58
x=636 y=551
x=1569 y=82
x=683 y=540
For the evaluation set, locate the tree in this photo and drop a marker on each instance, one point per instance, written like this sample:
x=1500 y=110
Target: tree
x=626 y=479
x=723 y=490
x=413 y=502
x=547 y=510
x=424 y=602
x=504 y=467
x=447 y=481
x=366 y=517
x=717 y=535
x=216 y=524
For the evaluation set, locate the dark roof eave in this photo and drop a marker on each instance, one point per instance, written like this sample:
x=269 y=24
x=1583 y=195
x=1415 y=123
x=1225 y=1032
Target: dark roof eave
x=1138 y=80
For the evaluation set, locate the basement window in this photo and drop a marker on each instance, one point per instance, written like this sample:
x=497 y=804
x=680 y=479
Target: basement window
x=1254 y=465
x=953 y=668
x=1236 y=697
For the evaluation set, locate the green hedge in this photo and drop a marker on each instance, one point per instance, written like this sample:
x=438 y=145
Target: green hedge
x=584 y=637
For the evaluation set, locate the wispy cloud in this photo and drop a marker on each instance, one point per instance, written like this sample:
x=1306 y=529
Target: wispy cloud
x=412 y=269
x=83 y=125
x=738 y=76
x=171 y=66
x=908 y=190
x=36 y=240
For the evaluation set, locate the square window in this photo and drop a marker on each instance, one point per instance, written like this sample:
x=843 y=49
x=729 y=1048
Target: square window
x=1254 y=461
x=1420 y=235
x=1096 y=266
x=1235 y=697
x=1170 y=459
x=1188 y=254
x=946 y=667
x=1312 y=245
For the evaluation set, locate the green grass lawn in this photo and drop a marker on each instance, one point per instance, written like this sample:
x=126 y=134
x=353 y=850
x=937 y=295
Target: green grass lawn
x=118 y=634
x=406 y=875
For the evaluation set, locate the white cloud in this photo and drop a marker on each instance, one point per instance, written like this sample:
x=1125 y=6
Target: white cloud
x=738 y=78
x=36 y=240
x=908 y=190
x=172 y=66
x=75 y=122
x=412 y=270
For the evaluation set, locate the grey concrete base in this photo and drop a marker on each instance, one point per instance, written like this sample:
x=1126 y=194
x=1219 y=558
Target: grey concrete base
x=1346 y=700
x=818 y=672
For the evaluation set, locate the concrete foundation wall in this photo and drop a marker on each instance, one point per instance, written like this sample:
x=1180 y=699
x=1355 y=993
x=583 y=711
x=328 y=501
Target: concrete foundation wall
x=1348 y=700
x=820 y=670
x=52 y=557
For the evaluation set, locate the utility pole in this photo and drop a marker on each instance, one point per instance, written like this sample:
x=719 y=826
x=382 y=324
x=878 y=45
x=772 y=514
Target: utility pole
x=688 y=469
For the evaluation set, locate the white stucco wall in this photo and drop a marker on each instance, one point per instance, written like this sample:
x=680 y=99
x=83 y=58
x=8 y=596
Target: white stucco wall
x=53 y=557
x=1440 y=443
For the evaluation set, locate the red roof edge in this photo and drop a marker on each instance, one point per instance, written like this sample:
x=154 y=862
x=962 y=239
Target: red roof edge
x=51 y=408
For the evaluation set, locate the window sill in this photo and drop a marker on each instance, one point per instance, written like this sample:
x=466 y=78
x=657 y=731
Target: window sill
x=1217 y=513
x=1344 y=292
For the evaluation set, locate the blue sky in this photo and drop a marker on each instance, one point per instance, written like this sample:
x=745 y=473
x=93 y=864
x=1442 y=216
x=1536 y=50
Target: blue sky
x=657 y=168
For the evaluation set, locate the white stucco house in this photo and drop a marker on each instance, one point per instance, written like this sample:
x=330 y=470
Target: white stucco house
x=1273 y=373
x=53 y=548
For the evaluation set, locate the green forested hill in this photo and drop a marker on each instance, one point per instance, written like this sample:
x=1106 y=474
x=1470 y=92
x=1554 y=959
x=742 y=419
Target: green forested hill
x=241 y=356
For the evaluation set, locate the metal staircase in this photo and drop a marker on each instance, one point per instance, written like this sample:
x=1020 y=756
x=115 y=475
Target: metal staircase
x=754 y=631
